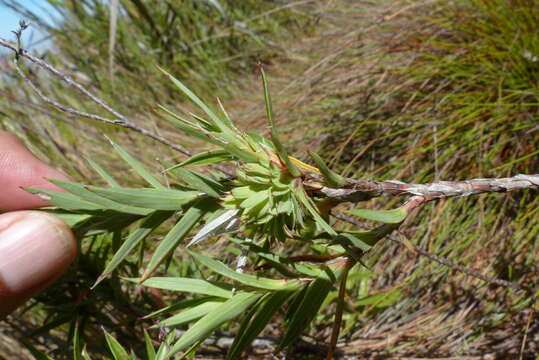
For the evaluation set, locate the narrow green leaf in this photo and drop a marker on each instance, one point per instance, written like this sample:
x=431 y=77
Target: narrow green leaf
x=118 y=352
x=108 y=178
x=71 y=219
x=249 y=280
x=200 y=182
x=315 y=295
x=226 y=312
x=145 y=229
x=82 y=192
x=188 y=285
x=351 y=240
x=292 y=168
x=270 y=304
x=191 y=314
x=76 y=342
x=139 y=169
x=311 y=208
x=85 y=355
x=332 y=178
x=393 y=216
x=180 y=305
x=38 y=355
x=187 y=127
x=159 y=199
x=175 y=236
x=216 y=120
x=64 y=200
x=205 y=158
x=150 y=350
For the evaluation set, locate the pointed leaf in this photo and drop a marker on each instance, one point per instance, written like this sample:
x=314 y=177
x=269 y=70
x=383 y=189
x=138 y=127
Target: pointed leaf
x=64 y=200
x=216 y=120
x=315 y=295
x=175 y=236
x=82 y=192
x=118 y=352
x=253 y=326
x=226 y=312
x=205 y=158
x=138 y=235
x=292 y=168
x=200 y=182
x=150 y=350
x=249 y=280
x=108 y=178
x=192 y=286
x=139 y=169
x=393 y=216
x=332 y=178
x=159 y=199
x=191 y=314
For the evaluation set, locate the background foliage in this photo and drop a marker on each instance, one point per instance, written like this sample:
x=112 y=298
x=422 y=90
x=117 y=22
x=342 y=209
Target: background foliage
x=436 y=92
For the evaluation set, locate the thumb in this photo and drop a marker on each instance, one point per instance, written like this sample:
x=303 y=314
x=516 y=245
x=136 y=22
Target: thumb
x=35 y=249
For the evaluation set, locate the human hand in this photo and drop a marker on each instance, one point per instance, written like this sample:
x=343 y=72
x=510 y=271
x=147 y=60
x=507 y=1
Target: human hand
x=35 y=247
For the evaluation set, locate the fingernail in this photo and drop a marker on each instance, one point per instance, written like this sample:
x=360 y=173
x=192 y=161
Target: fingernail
x=34 y=247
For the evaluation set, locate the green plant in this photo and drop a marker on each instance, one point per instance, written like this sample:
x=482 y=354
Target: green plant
x=271 y=200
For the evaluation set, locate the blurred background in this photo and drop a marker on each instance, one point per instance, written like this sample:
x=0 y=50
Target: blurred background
x=405 y=89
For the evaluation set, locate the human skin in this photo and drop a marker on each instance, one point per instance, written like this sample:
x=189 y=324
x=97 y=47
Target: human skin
x=35 y=247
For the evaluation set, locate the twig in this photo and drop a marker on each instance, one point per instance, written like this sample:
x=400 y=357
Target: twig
x=121 y=120
x=412 y=204
x=362 y=190
x=339 y=311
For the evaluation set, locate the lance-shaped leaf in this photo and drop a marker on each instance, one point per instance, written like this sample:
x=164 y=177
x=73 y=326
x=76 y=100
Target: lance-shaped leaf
x=224 y=126
x=393 y=216
x=192 y=286
x=308 y=203
x=118 y=352
x=176 y=235
x=139 y=169
x=150 y=350
x=256 y=322
x=181 y=305
x=191 y=314
x=82 y=192
x=205 y=158
x=200 y=182
x=159 y=199
x=106 y=176
x=230 y=309
x=249 y=280
x=64 y=200
x=292 y=168
x=138 y=235
x=223 y=223
x=332 y=178
x=188 y=128
x=305 y=312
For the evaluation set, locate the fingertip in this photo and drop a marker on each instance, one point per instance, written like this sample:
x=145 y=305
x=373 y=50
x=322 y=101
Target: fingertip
x=35 y=249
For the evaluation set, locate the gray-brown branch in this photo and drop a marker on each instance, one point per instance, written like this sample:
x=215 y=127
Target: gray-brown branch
x=362 y=190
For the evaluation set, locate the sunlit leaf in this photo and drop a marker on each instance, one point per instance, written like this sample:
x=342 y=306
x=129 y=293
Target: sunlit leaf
x=82 y=192
x=138 y=235
x=159 y=199
x=188 y=285
x=191 y=314
x=305 y=312
x=266 y=309
x=249 y=280
x=118 y=352
x=176 y=235
x=332 y=178
x=226 y=312
x=393 y=216
x=139 y=169
x=205 y=158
